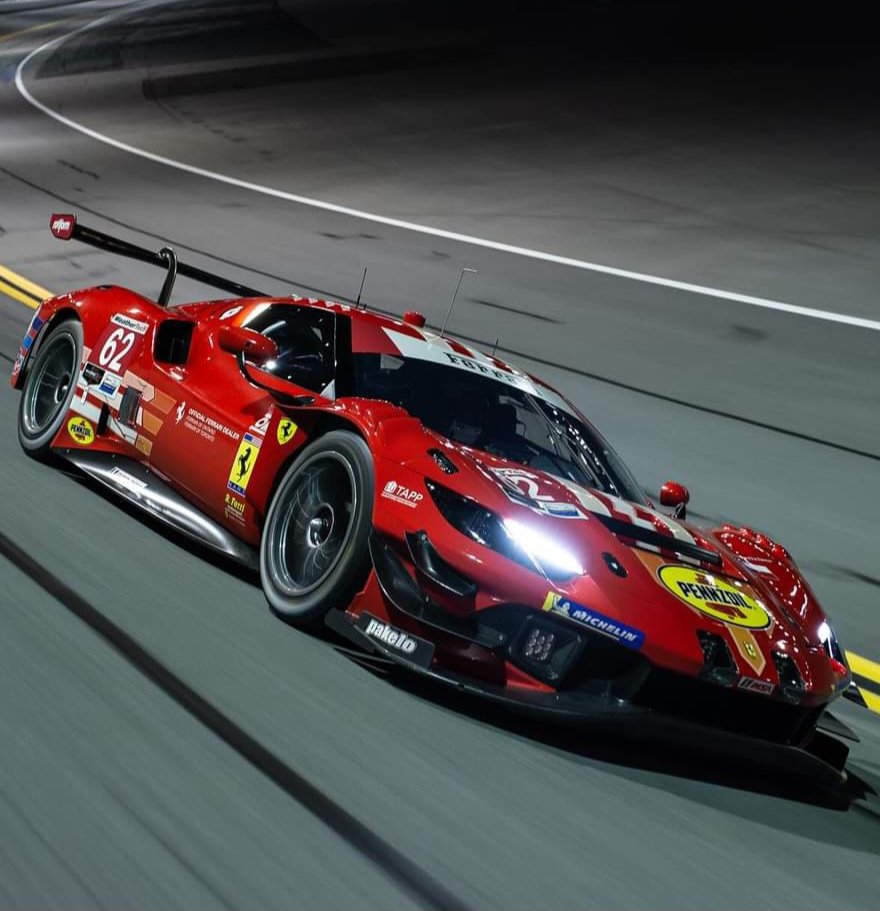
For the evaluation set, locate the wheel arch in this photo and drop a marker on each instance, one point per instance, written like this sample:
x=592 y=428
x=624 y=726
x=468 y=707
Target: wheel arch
x=60 y=315
x=326 y=422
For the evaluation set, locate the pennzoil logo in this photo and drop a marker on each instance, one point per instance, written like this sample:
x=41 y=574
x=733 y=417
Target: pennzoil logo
x=243 y=464
x=285 y=431
x=81 y=431
x=714 y=597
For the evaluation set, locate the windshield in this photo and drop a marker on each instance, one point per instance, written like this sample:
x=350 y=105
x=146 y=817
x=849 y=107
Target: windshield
x=497 y=418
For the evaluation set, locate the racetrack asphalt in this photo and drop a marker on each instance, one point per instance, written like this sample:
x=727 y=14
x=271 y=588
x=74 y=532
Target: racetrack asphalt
x=114 y=793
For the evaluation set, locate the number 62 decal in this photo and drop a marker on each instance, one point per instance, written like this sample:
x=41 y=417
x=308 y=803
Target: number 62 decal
x=118 y=344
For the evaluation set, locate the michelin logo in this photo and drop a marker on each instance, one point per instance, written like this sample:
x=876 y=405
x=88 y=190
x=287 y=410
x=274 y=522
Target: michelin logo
x=625 y=635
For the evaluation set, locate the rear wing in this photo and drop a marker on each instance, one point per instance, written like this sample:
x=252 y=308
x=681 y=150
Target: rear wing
x=66 y=227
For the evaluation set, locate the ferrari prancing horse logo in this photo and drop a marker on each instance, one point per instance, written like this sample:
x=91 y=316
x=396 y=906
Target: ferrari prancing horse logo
x=285 y=431
x=243 y=464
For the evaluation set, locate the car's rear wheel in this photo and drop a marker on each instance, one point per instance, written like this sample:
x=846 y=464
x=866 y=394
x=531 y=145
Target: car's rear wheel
x=314 y=553
x=48 y=389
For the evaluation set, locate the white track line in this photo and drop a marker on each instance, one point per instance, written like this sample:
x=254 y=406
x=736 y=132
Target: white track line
x=827 y=315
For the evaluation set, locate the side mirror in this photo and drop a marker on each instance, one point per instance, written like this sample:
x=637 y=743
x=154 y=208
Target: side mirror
x=677 y=496
x=245 y=343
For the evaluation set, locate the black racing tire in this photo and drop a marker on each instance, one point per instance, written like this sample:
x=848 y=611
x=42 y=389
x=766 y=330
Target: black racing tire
x=48 y=388
x=314 y=553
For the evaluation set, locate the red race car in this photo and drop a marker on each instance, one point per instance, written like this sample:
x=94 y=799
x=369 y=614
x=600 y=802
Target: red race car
x=430 y=503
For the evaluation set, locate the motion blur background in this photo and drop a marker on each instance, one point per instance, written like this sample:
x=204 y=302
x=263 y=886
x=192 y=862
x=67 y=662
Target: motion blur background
x=728 y=145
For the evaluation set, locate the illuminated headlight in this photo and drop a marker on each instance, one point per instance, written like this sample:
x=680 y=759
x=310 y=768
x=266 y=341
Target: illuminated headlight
x=556 y=561
x=831 y=644
x=513 y=539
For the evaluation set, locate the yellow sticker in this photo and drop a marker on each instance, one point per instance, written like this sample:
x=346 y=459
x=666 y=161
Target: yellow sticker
x=714 y=596
x=81 y=431
x=285 y=431
x=243 y=464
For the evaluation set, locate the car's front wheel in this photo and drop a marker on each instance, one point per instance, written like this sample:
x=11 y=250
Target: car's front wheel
x=314 y=553
x=48 y=389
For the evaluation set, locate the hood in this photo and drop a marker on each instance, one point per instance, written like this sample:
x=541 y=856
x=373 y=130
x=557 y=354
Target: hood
x=670 y=582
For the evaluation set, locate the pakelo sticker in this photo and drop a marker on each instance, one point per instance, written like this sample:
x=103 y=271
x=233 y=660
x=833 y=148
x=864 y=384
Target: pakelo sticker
x=714 y=597
x=285 y=431
x=243 y=464
x=626 y=635
x=400 y=494
x=396 y=641
x=81 y=431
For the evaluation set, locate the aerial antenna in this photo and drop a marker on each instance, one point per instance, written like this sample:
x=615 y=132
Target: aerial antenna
x=452 y=304
x=357 y=303
x=495 y=346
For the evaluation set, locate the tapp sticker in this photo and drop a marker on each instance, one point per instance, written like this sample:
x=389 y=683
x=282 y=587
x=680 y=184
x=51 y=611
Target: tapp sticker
x=243 y=464
x=729 y=602
x=81 y=431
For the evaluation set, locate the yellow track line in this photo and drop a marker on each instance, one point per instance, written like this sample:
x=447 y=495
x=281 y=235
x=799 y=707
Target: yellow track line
x=15 y=294
x=864 y=667
x=22 y=284
x=33 y=28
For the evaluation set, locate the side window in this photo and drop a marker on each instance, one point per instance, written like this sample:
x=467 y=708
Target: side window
x=306 y=341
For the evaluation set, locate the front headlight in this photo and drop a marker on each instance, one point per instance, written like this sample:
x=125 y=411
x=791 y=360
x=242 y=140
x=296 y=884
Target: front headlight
x=512 y=538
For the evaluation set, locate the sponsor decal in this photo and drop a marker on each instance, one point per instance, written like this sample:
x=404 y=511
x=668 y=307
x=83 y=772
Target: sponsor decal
x=524 y=487
x=135 y=325
x=756 y=686
x=243 y=464
x=394 y=638
x=92 y=374
x=203 y=425
x=562 y=510
x=62 y=226
x=30 y=335
x=395 y=641
x=262 y=425
x=403 y=495
x=129 y=482
x=110 y=384
x=234 y=508
x=81 y=431
x=33 y=330
x=626 y=635
x=232 y=311
x=285 y=431
x=438 y=351
x=715 y=597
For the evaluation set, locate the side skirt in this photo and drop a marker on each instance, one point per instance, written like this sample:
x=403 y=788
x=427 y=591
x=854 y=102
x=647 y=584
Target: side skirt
x=137 y=484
